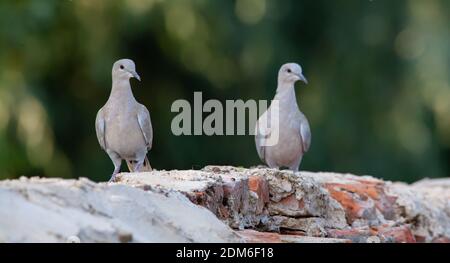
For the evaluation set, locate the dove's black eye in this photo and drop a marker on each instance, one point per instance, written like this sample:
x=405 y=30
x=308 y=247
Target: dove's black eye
x=289 y=70
x=121 y=66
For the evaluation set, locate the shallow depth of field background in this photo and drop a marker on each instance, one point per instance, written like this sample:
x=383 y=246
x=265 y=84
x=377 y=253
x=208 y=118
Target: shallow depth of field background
x=378 y=101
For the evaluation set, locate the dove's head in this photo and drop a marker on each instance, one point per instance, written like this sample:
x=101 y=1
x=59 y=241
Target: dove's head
x=290 y=73
x=124 y=69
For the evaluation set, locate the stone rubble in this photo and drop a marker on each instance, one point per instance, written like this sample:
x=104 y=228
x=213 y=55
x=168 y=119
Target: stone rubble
x=320 y=205
x=225 y=204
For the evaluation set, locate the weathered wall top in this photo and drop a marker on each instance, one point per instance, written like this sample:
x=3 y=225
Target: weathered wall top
x=226 y=204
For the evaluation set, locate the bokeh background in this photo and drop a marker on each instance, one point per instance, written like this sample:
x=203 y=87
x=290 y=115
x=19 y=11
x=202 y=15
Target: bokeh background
x=378 y=100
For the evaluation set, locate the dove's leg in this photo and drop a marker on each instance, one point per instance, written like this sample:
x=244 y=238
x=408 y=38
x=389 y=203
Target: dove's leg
x=117 y=161
x=272 y=164
x=294 y=167
x=139 y=166
x=140 y=162
x=146 y=166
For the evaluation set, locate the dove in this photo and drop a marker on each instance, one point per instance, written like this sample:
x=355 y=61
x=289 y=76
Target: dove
x=123 y=125
x=282 y=133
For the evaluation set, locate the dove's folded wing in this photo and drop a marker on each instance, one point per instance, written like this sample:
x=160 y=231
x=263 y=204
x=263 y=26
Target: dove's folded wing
x=100 y=128
x=262 y=133
x=145 y=124
x=305 y=133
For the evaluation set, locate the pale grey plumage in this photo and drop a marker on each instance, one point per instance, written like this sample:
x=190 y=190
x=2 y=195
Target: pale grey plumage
x=284 y=120
x=123 y=126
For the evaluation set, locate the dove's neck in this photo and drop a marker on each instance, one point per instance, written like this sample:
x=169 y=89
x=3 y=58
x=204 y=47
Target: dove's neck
x=121 y=91
x=286 y=95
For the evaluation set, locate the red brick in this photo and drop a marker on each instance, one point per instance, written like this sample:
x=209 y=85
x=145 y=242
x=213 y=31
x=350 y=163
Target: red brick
x=259 y=185
x=252 y=236
x=441 y=240
x=398 y=234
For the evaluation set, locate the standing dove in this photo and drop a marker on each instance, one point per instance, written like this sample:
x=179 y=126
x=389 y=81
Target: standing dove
x=123 y=126
x=282 y=133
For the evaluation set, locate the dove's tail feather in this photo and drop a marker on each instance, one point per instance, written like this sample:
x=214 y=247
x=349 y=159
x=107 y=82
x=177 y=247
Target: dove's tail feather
x=144 y=168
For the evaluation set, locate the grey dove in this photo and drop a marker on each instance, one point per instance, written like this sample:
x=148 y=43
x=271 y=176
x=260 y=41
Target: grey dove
x=123 y=125
x=282 y=133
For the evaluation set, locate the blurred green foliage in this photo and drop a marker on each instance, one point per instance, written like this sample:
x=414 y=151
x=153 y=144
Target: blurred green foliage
x=378 y=100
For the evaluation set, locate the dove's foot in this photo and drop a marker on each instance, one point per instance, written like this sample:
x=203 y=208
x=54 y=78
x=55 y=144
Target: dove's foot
x=112 y=179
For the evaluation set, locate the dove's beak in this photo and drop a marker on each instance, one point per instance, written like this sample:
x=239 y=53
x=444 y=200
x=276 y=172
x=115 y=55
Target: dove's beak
x=302 y=78
x=135 y=75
